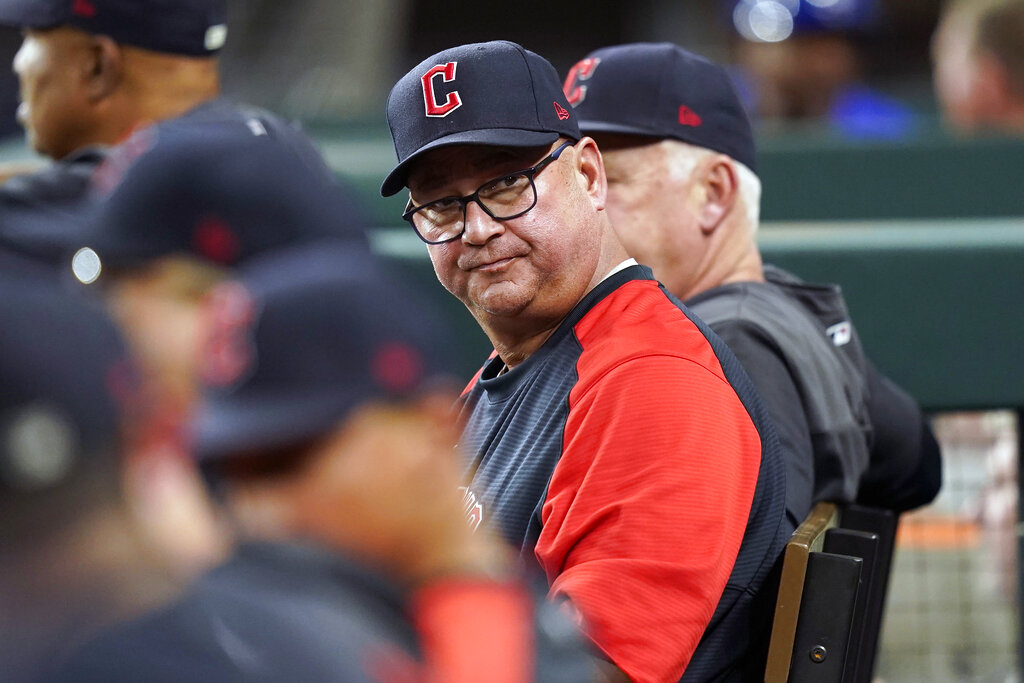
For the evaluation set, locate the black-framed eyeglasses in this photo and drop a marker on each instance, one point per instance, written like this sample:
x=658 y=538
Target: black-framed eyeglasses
x=508 y=196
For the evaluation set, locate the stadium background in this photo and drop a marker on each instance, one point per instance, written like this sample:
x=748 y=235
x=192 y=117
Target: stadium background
x=925 y=231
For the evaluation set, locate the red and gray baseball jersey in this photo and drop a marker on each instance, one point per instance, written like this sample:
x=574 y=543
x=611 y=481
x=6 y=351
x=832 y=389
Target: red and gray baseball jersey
x=633 y=458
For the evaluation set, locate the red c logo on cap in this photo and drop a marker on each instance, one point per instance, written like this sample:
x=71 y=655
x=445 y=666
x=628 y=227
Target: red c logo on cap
x=451 y=102
x=581 y=71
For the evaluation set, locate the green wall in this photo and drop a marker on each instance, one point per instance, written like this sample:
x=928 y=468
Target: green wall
x=925 y=237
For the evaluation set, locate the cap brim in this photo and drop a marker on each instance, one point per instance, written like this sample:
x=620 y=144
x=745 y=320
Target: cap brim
x=117 y=254
x=226 y=428
x=32 y=14
x=588 y=127
x=498 y=137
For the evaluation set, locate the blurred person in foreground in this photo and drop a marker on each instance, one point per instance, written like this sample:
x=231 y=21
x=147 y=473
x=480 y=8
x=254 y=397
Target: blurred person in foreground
x=611 y=437
x=72 y=559
x=327 y=433
x=684 y=197
x=978 y=58
x=187 y=213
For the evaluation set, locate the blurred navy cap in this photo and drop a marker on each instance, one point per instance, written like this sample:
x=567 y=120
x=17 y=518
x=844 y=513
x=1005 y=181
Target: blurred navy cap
x=301 y=338
x=186 y=27
x=64 y=379
x=661 y=90
x=219 y=193
x=495 y=93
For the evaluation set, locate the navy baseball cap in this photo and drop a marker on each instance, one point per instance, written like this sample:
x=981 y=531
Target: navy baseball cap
x=300 y=339
x=216 y=193
x=188 y=27
x=495 y=93
x=661 y=90
x=65 y=379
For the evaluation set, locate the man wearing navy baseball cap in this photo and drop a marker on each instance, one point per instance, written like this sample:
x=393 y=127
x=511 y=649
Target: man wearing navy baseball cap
x=611 y=437
x=91 y=71
x=71 y=559
x=142 y=75
x=684 y=198
x=327 y=432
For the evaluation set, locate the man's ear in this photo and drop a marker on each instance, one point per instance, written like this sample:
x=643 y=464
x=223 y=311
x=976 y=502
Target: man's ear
x=590 y=171
x=103 y=68
x=717 y=174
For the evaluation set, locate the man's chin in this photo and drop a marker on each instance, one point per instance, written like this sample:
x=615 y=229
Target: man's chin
x=33 y=143
x=501 y=300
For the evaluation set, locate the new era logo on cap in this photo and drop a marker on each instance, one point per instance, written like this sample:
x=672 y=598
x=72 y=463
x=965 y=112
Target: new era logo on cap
x=688 y=117
x=494 y=93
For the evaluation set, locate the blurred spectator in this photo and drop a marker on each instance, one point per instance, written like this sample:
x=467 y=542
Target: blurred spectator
x=799 y=60
x=978 y=56
x=71 y=558
x=326 y=428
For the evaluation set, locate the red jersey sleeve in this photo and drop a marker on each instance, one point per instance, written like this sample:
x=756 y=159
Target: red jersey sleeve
x=475 y=631
x=647 y=507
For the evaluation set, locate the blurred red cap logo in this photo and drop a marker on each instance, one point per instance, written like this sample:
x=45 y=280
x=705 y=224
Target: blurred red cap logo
x=689 y=117
x=227 y=351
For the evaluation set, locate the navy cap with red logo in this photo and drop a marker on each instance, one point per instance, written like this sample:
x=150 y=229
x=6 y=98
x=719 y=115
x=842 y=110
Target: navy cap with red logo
x=303 y=337
x=187 y=27
x=495 y=93
x=661 y=90
x=221 y=184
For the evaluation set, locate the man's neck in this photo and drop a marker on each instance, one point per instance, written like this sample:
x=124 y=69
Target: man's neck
x=518 y=337
x=156 y=88
x=734 y=259
x=514 y=351
x=515 y=344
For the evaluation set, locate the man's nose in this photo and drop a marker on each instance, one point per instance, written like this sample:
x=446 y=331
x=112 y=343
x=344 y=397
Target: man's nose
x=480 y=227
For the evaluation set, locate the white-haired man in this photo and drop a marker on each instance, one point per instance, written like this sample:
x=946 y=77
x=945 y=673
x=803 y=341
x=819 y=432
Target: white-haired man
x=684 y=197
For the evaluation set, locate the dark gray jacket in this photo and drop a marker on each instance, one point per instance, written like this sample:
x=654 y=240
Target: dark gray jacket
x=849 y=434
